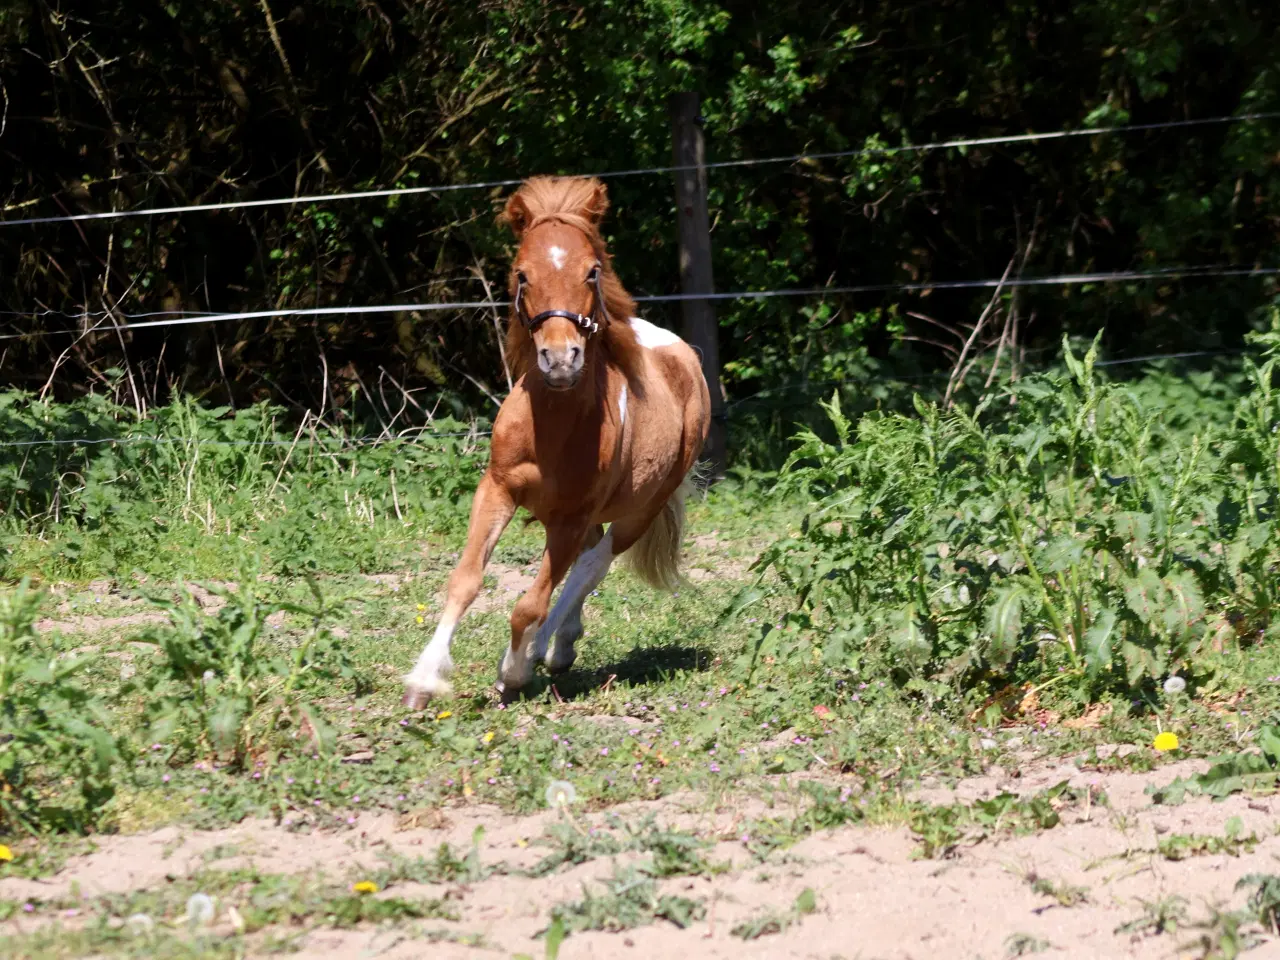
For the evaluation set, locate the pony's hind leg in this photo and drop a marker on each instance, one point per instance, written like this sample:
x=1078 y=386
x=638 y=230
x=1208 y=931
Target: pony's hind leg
x=590 y=568
x=530 y=628
x=491 y=511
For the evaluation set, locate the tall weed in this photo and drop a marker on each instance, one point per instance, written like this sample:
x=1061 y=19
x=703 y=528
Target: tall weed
x=1058 y=531
x=229 y=685
x=56 y=751
x=173 y=494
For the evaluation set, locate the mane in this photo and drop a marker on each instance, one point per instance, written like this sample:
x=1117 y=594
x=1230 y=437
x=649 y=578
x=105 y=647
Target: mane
x=581 y=203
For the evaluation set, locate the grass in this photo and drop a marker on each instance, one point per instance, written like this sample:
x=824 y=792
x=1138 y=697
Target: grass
x=274 y=693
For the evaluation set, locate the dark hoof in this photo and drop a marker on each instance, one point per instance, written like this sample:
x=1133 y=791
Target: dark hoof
x=506 y=696
x=416 y=699
x=560 y=671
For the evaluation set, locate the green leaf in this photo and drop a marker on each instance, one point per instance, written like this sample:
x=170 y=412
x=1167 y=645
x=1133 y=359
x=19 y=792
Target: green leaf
x=555 y=937
x=1061 y=553
x=806 y=902
x=1144 y=595
x=907 y=639
x=1004 y=623
x=1099 y=641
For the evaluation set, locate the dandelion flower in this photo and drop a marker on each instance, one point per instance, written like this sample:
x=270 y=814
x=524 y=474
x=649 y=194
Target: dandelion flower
x=1175 y=685
x=444 y=714
x=421 y=619
x=5 y=853
x=421 y=607
x=1165 y=741
x=560 y=793
x=364 y=886
x=488 y=737
x=200 y=909
x=139 y=924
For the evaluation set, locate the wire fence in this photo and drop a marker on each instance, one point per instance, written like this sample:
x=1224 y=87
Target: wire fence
x=650 y=171
x=1071 y=279
x=172 y=318
x=422 y=434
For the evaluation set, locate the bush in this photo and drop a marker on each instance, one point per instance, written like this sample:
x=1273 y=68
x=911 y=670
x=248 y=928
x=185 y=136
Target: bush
x=1059 y=531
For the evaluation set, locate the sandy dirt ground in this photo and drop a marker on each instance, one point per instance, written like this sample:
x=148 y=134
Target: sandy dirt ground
x=874 y=897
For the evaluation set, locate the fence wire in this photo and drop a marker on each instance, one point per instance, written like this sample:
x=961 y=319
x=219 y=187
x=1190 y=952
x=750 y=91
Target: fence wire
x=648 y=171
x=420 y=436
x=1070 y=279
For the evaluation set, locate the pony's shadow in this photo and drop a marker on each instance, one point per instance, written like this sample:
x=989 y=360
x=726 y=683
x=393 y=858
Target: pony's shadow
x=641 y=667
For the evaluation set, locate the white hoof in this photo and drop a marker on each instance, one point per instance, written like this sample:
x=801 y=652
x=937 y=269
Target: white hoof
x=515 y=669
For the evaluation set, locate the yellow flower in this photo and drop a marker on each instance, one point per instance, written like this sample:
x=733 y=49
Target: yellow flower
x=421 y=607
x=5 y=853
x=488 y=737
x=421 y=620
x=522 y=842
x=364 y=886
x=1165 y=741
x=444 y=714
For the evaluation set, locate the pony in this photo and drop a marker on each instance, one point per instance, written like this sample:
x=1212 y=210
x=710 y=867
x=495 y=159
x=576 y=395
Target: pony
x=604 y=425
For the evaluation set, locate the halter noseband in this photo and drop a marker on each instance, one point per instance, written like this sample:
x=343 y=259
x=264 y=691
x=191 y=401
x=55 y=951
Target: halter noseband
x=589 y=322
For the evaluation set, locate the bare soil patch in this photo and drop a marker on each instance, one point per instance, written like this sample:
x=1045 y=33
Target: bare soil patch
x=874 y=898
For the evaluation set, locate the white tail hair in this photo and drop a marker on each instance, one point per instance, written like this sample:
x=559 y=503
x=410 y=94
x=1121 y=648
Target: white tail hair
x=655 y=557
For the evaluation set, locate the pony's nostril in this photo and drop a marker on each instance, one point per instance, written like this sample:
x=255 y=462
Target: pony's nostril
x=574 y=354
x=545 y=354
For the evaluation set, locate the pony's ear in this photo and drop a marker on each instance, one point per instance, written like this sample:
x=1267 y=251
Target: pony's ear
x=516 y=214
x=598 y=203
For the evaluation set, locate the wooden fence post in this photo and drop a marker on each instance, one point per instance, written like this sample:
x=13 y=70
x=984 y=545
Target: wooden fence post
x=700 y=327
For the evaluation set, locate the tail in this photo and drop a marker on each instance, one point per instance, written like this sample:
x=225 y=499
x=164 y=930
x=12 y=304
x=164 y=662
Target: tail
x=655 y=557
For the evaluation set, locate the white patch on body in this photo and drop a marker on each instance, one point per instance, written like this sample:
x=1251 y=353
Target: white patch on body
x=558 y=256
x=622 y=405
x=647 y=335
x=435 y=664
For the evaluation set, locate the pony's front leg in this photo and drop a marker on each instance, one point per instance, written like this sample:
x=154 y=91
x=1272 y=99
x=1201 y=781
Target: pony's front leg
x=529 y=627
x=491 y=511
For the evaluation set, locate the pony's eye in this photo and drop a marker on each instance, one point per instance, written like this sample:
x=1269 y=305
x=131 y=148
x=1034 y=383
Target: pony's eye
x=594 y=275
x=521 y=278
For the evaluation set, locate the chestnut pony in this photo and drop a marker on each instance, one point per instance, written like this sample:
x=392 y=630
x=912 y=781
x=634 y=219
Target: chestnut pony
x=604 y=425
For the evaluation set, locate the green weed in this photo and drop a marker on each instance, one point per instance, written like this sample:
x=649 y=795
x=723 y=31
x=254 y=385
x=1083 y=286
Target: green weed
x=1065 y=894
x=57 y=751
x=1252 y=771
x=224 y=687
x=1182 y=846
x=941 y=829
x=1158 y=917
x=626 y=900
x=1054 y=535
x=774 y=921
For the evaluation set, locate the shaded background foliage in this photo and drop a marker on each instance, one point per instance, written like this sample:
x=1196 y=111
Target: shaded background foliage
x=119 y=104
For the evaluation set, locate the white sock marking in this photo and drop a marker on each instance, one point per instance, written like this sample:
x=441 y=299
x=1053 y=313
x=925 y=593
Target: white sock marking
x=585 y=576
x=647 y=335
x=435 y=664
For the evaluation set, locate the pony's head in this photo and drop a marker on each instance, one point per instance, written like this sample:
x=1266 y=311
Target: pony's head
x=565 y=297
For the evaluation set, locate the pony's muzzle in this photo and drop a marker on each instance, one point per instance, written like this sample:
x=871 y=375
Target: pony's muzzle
x=561 y=366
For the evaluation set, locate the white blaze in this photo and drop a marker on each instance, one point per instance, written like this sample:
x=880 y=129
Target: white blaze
x=557 y=255
x=622 y=405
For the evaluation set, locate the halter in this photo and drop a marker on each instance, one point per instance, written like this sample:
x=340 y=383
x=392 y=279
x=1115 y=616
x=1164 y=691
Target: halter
x=589 y=322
